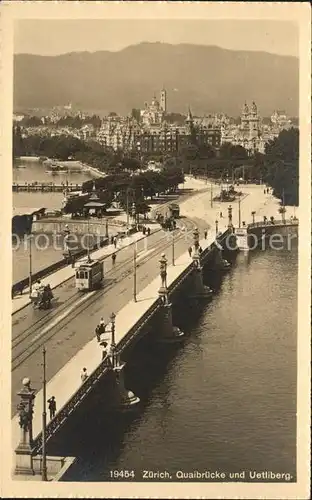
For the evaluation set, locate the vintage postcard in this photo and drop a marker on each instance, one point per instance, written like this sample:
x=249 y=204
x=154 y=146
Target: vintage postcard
x=155 y=248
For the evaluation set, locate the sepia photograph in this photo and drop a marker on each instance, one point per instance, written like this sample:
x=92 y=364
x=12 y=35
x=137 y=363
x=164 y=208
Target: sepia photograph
x=157 y=180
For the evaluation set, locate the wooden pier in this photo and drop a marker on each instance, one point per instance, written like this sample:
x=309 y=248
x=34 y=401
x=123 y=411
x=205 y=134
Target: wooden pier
x=41 y=187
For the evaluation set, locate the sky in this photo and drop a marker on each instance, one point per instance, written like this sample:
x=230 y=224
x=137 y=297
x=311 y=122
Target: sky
x=53 y=37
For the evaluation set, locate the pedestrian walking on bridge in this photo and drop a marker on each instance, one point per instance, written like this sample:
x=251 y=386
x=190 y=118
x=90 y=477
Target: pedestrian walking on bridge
x=84 y=375
x=113 y=258
x=52 y=406
x=190 y=251
x=205 y=234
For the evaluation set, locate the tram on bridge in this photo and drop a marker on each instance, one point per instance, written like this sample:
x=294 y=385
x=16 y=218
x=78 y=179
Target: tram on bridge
x=89 y=275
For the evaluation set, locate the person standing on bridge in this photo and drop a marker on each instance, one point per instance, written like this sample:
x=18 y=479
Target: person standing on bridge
x=115 y=242
x=205 y=234
x=113 y=258
x=84 y=375
x=52 y=406
x=100 y=329
x=190 y=251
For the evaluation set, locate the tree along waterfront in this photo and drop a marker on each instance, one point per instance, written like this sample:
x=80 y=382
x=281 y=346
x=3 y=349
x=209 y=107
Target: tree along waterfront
x=278 y=166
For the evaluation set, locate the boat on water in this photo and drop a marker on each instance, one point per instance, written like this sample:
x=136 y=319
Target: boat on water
x=57 y=169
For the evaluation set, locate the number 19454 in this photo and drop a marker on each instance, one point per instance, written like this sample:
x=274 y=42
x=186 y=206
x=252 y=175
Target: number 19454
x=122 y=474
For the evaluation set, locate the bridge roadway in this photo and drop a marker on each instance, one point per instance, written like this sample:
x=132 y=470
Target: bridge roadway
x=66 y=380
x=71 y=322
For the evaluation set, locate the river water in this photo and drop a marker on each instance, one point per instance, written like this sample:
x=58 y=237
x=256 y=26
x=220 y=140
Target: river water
x=223 y=401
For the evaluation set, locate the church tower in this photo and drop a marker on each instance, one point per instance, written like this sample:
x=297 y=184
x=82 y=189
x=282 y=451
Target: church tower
x=253 y=121
x=245 y=117
x=189 y=123
x=163 y=100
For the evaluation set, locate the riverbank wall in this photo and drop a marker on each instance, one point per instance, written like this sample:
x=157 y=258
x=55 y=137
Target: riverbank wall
x=58 y=226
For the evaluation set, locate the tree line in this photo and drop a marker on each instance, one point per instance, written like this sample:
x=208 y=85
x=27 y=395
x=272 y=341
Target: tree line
x=278 y=166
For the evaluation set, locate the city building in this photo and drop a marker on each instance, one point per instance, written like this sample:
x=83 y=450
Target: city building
x=153 y=114
x=248 y=134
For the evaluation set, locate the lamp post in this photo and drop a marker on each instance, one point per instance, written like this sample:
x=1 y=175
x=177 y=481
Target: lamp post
x=133 y=212
x=230 y=215
x=106 y=227
x=211 y=194
x=127 y=207
x=217 y=223
x=173 y=263
x=44 y=418
x=134 y=273
x=113 y=345
x=239 y=212
x=30 y=264
x=196 y=247
x=88 y=229
x=163 y=274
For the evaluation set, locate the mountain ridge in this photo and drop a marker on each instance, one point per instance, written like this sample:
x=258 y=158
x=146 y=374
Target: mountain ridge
x=208 y=78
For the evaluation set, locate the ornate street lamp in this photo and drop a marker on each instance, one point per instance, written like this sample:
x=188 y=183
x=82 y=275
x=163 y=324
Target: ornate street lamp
x=230 y=214
x=196 y=247
x=30 y=264
x=133 y=212
x=163 y=274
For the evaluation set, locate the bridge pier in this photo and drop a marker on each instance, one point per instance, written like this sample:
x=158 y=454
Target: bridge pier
x=199 y=289
x=125 y=399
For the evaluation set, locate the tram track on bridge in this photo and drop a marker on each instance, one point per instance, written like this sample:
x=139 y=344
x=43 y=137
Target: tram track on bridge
x=34 y=338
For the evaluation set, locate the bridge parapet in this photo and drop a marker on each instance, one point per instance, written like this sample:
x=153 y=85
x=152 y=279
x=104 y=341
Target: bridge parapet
x=62 y=415
x=276 y=223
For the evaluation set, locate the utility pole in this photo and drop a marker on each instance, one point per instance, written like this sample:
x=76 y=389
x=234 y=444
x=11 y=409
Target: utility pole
x=173 y=248
x=211 y=201
x=44 y=419
x=127 y=208
x=206 y=174
x=134 y=273
x=88 y=247
x=30 y=264
x=239 y=212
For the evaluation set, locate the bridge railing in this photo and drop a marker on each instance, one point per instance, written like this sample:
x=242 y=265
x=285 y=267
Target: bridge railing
x=105 y=365
x=78 y=396
x=279 y=222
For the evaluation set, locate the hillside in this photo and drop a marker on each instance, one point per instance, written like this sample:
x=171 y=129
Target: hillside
x=208 y=78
